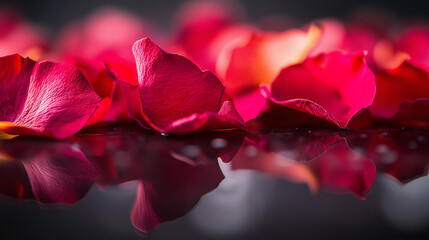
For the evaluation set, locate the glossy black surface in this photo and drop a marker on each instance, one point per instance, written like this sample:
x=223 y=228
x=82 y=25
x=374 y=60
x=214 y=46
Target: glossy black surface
x=108 y=184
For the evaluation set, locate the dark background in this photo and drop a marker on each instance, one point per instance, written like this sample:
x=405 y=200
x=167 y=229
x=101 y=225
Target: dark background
x=55 y=13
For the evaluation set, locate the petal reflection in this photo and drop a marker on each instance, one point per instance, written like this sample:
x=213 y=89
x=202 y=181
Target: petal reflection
x=173 y=172
x=401 y=154
x=56 y=172
x=176 y=173
x=333 y=165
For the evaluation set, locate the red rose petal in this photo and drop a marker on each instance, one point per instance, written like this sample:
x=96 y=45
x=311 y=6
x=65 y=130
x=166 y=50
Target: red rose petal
x=204 y=28
x=58 y=101
x=339 y=83
x=411 y=115
x=296 y=113
x=404 y=83
x=413 y=40
x=15 y=75
x=174 y=96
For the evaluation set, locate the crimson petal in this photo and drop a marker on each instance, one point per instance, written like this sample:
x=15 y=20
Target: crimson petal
x=173 y=95
x=340 y=83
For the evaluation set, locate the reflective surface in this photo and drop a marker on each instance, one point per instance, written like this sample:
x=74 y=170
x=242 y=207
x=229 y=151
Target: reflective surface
x=108 y=183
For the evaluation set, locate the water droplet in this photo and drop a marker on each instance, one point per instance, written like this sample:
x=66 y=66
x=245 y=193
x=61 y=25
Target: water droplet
x=384 y=134
x=382 y=148
x=219 y=143
x=364 y=135
x=251 y=151
x=191 y=151
x=122 y=159
x=76 y=147
x=413 y=145
x=387 y=155
x=421 y=139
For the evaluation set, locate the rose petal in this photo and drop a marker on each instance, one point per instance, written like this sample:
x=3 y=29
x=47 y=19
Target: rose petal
x=331 y=38
x=412 y=115
x=404 y=83
x=19 y=36
x=296 y=113
x=340 y=83
x=174 y=96
x=58 y=102
x=15 y=75
x=105 y=30
x=249 y=105
x=412 y=40
x=204 y=28
x=302 y=146
x=247 y=63
x=57 y=172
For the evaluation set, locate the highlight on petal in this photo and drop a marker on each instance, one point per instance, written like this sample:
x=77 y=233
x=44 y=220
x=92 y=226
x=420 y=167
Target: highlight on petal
x=174 y=95
x=257 y=59
x=333 y=86
x=386 y=57
x=46 y=99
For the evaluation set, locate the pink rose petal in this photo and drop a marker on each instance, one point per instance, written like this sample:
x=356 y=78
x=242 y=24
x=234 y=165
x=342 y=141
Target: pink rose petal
x=339 y=83
x=53 y=99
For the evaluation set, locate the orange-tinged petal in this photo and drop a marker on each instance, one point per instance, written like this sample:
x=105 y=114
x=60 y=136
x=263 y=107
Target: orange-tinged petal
x=248 y=62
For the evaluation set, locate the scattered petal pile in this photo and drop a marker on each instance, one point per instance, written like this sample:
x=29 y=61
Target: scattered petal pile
x=228 y=73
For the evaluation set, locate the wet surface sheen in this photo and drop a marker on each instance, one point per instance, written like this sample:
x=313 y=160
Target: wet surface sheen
x=111 y=184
